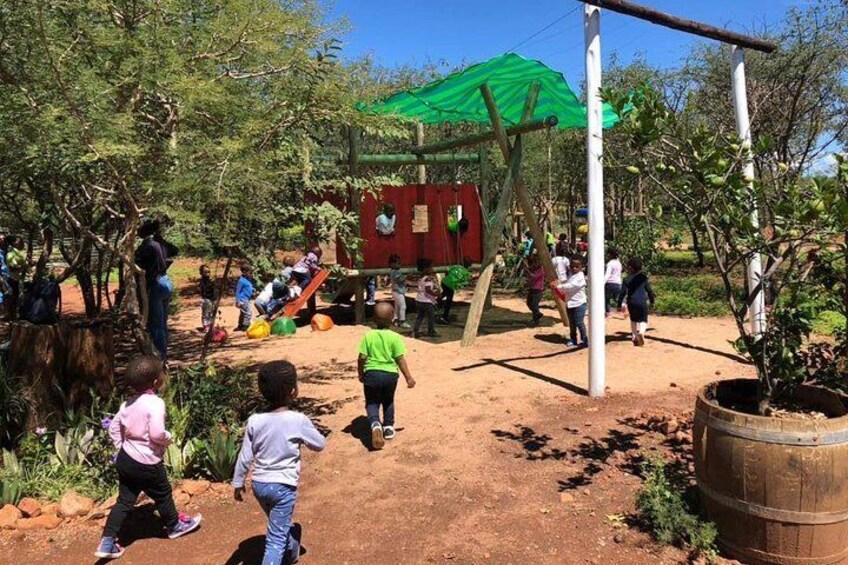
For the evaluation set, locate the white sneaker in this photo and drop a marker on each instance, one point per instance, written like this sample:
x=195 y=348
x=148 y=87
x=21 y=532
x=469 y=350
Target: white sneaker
x=370 y=302
x=388 y=432
x=377 y=439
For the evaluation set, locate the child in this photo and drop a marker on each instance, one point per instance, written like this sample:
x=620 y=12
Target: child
x=535 y=288
x=574 y=290
x=272 y=298
x=138 y=432
x=305 y=269
x=428 y=296
x=207 y=298
x=272 y=443
x=244 y=294
x=381 y=354
x=612 y=281
x=398 y=292
x=386 y=221
x=288 y=267
x=636 y=295
x=561 y=263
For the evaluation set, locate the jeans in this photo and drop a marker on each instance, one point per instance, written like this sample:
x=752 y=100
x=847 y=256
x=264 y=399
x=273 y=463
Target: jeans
x=277 y=501
x=370 y=289
x=380 y=387
x=207 y=312
x=400 y=306
x=446 y=301
x=133 y=479
x=611 y=294
x=576 y=321
x=158 y=307
x=245 y=314
x=426 y=310
x=534 y=298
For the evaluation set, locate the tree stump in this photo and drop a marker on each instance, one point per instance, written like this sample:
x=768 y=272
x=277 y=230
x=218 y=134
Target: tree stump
x=89 y=364
x=38 y=354
x=60 y=364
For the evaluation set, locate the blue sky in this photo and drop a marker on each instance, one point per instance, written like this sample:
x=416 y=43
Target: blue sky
x=397 y=32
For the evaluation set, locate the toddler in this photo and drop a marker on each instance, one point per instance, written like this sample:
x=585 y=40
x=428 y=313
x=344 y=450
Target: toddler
x=574 y=291
x=398 y=280
x=427 y=297
x=381 y=355
x=636 y=296
x=244 y=294
x=138 y=433
x=207 y=298
x=535 y=288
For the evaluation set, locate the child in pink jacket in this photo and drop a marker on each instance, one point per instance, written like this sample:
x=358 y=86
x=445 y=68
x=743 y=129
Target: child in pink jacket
x=139 y=434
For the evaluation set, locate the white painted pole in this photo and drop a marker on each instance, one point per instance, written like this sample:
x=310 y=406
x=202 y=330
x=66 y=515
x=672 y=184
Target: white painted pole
x=757 y=307
x=595 y=181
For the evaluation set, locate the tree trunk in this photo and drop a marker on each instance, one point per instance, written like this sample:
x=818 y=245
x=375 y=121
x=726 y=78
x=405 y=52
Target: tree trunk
x=90 y=359
x=696 y=245
x=37 y=353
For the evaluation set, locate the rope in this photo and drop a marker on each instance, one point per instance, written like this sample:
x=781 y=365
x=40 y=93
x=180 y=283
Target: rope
x=443 y=222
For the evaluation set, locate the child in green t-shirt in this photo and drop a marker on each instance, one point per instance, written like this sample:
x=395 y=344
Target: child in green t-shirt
x=381 y=355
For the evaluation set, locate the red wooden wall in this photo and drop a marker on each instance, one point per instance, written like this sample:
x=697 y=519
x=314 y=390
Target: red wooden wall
x=438 y=244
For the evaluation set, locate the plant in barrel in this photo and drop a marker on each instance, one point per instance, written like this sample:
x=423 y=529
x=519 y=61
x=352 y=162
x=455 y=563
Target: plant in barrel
x=792 y=224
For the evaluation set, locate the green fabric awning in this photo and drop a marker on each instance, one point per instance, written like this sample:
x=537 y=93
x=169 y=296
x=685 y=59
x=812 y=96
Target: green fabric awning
x=457 y=98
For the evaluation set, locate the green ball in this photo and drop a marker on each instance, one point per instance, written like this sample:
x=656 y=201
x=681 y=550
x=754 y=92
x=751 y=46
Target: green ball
x=453 y=226
x=283 y=326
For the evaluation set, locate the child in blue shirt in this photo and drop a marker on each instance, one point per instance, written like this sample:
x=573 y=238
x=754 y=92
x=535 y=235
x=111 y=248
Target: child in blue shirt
x=244 y=294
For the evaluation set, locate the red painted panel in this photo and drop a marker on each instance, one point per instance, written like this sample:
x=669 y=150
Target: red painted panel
x=438 y=244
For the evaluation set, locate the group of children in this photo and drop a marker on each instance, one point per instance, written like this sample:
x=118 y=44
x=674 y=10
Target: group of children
x=281 y=289
x=633 y=295
x=271 y=444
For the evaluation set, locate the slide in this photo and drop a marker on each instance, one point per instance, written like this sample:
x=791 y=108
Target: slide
x=292 y=308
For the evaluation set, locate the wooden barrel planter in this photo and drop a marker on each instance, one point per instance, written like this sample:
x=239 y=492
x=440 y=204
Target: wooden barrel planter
x=777 y=489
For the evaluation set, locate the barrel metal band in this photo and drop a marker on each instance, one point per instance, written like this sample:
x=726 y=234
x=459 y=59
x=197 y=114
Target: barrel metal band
x=750 y=554
x=776 y=514
x=769 y=436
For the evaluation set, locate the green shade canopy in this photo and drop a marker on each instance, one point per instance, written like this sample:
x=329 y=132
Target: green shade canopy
x=457 y=98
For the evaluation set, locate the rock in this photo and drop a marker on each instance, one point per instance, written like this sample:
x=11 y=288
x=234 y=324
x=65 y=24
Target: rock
x=97 y=513
x=109 y=503
x=181 y=498
x=43 y=522
x=193 y=488
x=9 y=514
x=669 y=427
x=672 y=385
x=29 y=507
x=51 y=509
x=679 y=437
x=566 y=497
x=618 y=538
x=72 y=504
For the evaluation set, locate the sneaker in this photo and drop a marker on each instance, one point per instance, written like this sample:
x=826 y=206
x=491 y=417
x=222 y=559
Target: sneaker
x=371 y=302
x=388 y=432
x=404 y=326
x=583 y=344
x=377 y=439
x=569 y=343
x=185 y=525
x=108 y=549
x=442 y=320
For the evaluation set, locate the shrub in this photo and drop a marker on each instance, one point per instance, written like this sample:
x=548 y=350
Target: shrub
x=220 y=452
x=14 y=409
x=693 y=295
x=829 y=323
x=665 y=513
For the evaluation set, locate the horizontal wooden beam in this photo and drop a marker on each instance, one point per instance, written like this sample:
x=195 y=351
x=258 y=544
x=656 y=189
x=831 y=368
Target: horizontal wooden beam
x=396 y=159
x=404 y=271
x=484 y=136
x=682 y=24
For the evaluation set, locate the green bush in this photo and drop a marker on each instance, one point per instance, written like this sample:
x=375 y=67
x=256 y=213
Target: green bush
x=829 y=322
x=14 y=409
x=220 y=452
x=693 y=295
x=669 y=518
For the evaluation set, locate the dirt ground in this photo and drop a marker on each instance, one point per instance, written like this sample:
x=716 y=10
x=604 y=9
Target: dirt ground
x=500 y=456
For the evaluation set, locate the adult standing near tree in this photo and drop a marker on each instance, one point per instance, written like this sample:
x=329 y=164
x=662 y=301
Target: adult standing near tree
x=154 y=255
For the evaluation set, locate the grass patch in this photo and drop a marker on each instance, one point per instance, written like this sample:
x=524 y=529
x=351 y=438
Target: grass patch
x=697 y=296
x=829 y=322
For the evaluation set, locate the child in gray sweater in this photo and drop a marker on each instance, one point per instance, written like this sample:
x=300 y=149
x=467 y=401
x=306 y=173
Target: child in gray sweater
x=272 y=443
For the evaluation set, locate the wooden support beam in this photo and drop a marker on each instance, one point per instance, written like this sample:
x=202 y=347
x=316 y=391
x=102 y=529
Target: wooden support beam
x=682 y=24
x=370 y=160
x=513 y=156
x=485 y=207
x=405 y=271
x=485 y=135
x=497 y=125
x=419 y=140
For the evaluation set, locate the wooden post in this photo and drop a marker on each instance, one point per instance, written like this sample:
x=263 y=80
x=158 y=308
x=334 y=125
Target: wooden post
x=355 y=206
x=419 y=141
x=536 y=232
x=489 y=231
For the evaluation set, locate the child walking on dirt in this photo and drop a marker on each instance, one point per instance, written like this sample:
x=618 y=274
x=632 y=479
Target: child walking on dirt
x=428 y=296
x=381 y=354
x=244 y=294
x=636 y=296
x=398 y=280
x=207 y=298
x=138 y=432
x=272 y=443
x=574 y=293
x=535 y=288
